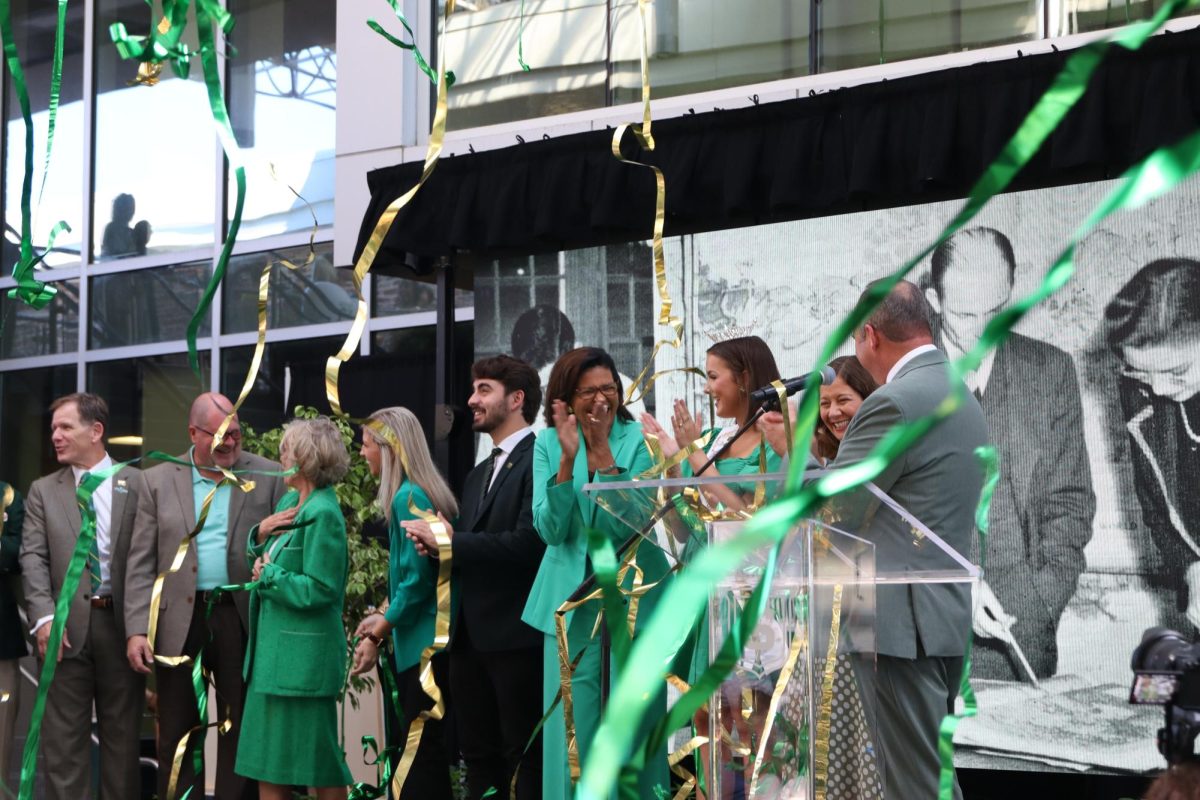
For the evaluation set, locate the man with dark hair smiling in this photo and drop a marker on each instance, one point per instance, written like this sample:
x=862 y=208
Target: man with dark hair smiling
x=495 y=658
x=91 y=656
x=921 y=629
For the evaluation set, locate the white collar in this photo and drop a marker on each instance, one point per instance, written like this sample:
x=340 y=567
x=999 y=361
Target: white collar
x=907 y=357
x=103 y=463
x=510 y=442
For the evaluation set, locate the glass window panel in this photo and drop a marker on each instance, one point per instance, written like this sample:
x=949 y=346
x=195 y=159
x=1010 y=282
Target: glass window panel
x=313 y=293
x=281 y=104
x=564 y=43
x=155 y=162
x=395 y=295
x=1081 y=16
x=700 y=45
x=25 y=397
x=61 y=199
x=464 y=298
x=148 y=397
x=850 y=34
x=147 y=305
x=27 y=332
x=292 y=373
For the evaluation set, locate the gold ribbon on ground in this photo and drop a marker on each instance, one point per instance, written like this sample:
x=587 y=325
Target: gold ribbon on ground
x=437 y=137
x=441 y=638
x=825 y=719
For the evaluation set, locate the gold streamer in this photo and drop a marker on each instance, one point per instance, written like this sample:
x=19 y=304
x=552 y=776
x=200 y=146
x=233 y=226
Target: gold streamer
x=436 y=138
x=223 y=727
x=821 y=744
x=674 y=759
x=782 y=392
x=785 y=677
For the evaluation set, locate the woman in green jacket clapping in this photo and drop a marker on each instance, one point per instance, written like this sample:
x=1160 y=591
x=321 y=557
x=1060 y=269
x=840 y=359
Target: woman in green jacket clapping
x=294 y=662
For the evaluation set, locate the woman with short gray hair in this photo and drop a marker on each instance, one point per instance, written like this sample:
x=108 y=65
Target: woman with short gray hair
x=294 y=657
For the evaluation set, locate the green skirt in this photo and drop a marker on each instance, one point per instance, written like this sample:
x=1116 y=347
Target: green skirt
x=291 y=741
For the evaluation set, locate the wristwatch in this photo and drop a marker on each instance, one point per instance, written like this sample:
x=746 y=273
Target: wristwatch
x=611 y=469
x=377 y=640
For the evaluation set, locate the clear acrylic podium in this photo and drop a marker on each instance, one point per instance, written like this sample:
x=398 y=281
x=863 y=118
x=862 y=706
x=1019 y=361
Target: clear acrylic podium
x=796 y=717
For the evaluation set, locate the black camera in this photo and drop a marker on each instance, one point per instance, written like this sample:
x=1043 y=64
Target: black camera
x=1166 y=672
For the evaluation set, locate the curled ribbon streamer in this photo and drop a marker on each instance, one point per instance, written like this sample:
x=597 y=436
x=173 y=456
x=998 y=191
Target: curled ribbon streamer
x=422 y=64
x=673 y=761
x=441 y=638
x=990 y=460
x=29 y=290
x=434 y=152
x=785 y=677
x=825 y=719
x=782 y=393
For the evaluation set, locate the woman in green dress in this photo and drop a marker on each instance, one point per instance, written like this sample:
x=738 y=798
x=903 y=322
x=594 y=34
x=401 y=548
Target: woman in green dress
x=395 y=451
x=295 y=662
x=590 y=436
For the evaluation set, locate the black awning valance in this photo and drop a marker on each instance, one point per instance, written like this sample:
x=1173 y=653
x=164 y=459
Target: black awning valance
x=917 y=139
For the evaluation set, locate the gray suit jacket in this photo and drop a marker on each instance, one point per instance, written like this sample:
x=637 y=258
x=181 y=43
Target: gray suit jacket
x=938 y=479
x=166 y=514
x=1041 y=515
x=52 y=523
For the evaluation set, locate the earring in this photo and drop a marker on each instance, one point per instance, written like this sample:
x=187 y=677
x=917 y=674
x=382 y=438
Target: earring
x=742 y=389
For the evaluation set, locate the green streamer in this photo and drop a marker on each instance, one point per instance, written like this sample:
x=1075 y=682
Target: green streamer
x=422 y=64
x=521 y=40
x=29 y=290
x=990 y=461
x=688 y=593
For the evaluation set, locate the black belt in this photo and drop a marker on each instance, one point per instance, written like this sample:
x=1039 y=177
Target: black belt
x=216 y=598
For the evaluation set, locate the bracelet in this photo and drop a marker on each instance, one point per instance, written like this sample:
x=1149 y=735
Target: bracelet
x=377 y=640
x=611 y=469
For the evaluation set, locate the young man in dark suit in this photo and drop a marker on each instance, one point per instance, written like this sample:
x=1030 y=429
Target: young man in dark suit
x=495 y=658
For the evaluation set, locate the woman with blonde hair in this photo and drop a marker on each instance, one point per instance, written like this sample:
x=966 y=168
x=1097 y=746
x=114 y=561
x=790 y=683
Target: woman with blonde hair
x=395 y=451
x=294 y=660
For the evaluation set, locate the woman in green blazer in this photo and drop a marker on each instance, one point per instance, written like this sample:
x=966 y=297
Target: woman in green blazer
x=395 y=451
x=590 y=436
x=295 y=666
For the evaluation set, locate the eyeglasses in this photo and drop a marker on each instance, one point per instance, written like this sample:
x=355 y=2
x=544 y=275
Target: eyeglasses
x=590 y=392
x=233 y=436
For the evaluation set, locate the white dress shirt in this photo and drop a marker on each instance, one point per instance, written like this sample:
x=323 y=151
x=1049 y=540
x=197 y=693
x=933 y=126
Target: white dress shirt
x=506 y=447
x=907 y=357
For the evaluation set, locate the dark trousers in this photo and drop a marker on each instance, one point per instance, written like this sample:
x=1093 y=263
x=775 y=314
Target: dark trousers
x=96 y=671
x=904 y=700
x=429 y=776
x=224 y=644
x=498 y=697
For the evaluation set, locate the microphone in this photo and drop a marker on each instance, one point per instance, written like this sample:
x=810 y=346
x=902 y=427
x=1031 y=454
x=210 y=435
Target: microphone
x=768 y=398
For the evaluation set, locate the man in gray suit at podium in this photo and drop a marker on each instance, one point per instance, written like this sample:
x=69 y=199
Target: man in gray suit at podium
x=921 y=630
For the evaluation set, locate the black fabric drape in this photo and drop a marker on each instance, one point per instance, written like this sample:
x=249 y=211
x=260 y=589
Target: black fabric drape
x=914 y=140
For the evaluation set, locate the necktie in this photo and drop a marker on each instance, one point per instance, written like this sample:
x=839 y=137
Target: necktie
x=93 y=561
x=487 y=476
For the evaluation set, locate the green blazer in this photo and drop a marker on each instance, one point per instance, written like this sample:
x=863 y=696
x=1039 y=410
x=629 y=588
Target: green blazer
x=412 y=582
x=297 y=640
x=562 y=515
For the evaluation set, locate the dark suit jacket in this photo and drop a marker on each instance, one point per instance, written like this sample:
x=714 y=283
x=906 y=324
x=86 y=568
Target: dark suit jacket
x=12 y=637
x=938 y=479
x=497 y=553
x=1042 y=510
x=51 y=529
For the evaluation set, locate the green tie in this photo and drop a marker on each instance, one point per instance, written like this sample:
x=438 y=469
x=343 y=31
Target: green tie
x=93 y=561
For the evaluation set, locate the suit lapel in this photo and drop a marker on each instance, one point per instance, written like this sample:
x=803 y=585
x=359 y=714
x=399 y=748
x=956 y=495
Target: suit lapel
x=118 y=503
x=67 y=504
x=185 y=495
x=514 y=460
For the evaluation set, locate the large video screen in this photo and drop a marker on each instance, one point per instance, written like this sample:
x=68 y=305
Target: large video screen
x=1095 y=523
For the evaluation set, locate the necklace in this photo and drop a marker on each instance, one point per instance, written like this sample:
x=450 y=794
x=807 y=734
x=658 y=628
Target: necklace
x=1187 y=427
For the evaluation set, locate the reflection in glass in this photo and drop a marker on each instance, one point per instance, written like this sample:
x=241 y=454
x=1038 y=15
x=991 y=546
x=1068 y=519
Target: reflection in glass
x=147 y=305
x=281 y=93
x=27 y=332
x=564 y=43
x=148 y=397
x=33 y=33
x=155 y=149
x=1081 y=16
x=311 y=294
x=701 y=45
x=395 y=295
x=25 y=397
x=863 y=34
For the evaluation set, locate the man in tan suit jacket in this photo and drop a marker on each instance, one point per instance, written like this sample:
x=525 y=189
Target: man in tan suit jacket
x=168 y=508
x=92 y=665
